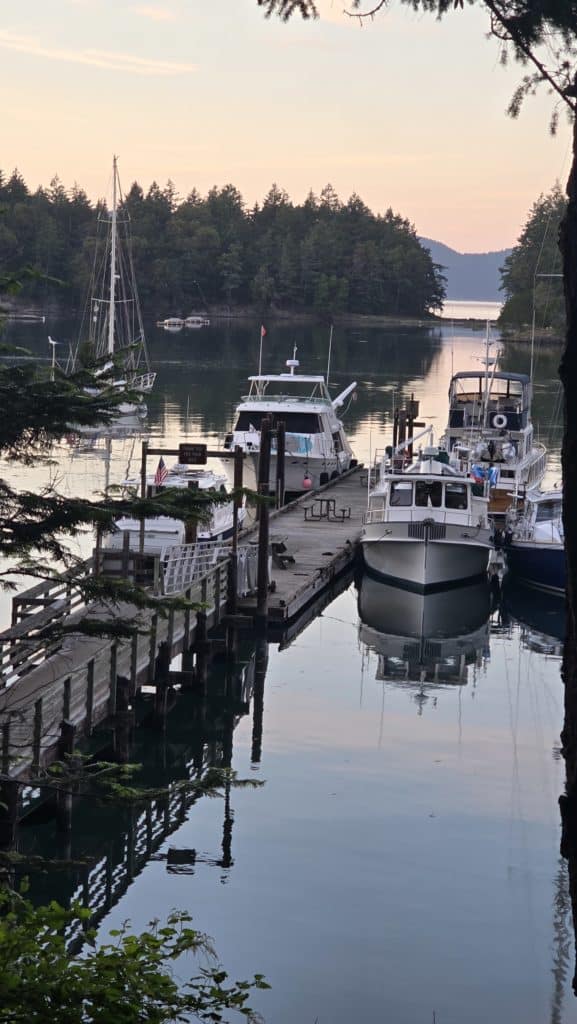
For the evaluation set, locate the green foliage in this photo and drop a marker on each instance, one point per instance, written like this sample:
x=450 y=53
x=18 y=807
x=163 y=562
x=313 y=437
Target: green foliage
x=324 y=256
x=131 y=979
x=535 y=254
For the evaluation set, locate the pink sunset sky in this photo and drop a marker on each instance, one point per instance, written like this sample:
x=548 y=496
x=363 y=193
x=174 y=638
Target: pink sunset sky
x=405 y=111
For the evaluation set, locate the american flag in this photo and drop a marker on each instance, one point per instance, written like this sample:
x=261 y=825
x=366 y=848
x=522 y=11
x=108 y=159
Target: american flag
x=161 y=473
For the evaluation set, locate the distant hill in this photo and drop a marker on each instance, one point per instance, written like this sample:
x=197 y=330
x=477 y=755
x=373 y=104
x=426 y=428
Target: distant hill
x=470 y=275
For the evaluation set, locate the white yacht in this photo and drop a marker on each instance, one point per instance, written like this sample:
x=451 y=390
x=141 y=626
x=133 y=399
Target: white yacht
x=490 y=434
x=427 y=525
x=316 y=447
x=163 y=532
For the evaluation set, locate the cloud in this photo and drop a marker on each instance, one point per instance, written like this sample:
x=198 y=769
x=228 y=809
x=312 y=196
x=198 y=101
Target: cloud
x=154 y=13
x=110 y=61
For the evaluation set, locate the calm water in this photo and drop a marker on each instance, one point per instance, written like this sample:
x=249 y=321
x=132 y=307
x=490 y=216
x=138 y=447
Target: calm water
x=402 y=857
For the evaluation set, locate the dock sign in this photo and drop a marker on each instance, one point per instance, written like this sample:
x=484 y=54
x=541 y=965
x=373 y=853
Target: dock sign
x=192 y=454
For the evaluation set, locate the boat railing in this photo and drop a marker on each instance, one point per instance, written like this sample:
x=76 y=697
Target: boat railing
x=144 y=382
x=419 y=515
x=287 y=399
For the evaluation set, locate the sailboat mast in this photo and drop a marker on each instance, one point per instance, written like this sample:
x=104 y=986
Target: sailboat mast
x=112 y=263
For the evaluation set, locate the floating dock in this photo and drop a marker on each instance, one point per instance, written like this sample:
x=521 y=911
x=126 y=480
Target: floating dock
x=56 y=688
x=320 y=533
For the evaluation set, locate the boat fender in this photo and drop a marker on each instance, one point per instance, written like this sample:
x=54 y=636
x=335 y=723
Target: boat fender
x=499 y=421
x=324 y=479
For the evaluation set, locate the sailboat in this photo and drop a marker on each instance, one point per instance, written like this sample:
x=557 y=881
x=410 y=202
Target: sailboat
x=112 y=332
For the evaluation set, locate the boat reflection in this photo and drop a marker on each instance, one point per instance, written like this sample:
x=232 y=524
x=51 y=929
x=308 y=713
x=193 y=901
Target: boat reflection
x=419 y=639
x=541 y=616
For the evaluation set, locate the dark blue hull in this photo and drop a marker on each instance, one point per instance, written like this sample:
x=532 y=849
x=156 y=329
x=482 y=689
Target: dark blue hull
x=541 y=565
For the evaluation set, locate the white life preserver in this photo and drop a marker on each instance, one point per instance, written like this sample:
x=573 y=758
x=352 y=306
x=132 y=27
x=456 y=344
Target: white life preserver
x=499 y=421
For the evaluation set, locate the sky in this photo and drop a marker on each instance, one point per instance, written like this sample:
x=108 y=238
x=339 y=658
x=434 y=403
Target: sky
x=407 y=112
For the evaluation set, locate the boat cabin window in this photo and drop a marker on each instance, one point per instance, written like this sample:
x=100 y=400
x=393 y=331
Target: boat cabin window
x=428 y=493
x=456 y=496
x=295 y=422
x=337 y=442
x=547 y=510
x=401 y=494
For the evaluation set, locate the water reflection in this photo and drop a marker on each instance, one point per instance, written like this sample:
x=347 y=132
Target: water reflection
x=105 y=846
x=540 y=615
x=425 y=641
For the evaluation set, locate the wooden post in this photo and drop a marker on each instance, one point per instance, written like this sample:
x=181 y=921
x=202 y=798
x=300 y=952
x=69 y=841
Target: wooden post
x=152 y=648
x=143 y=490
x=125 y=554
x=66 y=740
x=236 y=505
x=261 y=664
x=9 y=804
x=123 y=720
x=66 y=697
x=89 y=696
x=161 y=681
x=6 y=747
x=64 y=797
x=37 y=740
x=280 y=463
x=263 y=524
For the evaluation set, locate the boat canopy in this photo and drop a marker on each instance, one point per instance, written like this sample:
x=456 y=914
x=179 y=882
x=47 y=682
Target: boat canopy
x=523 y=378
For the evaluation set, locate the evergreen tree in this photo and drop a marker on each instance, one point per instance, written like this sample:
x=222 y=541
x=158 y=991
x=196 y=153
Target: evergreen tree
x=527 y=276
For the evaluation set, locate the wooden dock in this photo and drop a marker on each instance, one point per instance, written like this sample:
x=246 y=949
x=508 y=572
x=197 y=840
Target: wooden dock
x=76 y=682
x=322 y=547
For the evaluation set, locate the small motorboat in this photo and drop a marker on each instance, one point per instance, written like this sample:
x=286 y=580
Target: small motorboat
x=163 y=532
x=172 y=323
x=195 y=322
x=534 y=541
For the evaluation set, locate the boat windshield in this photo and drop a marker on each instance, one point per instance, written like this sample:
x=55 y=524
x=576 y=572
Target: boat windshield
x=467 y=389
x=428 y=494
x=547 y=510
x=456 y=496
x=250 y=420
x=401 y=494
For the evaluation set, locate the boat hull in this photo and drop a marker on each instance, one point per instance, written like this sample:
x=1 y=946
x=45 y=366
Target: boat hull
x=425 y=556
x=540 y=565
x=302 y=473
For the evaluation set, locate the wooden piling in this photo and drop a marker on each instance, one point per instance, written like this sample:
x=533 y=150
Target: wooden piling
x=280 y=463
x=263 y=524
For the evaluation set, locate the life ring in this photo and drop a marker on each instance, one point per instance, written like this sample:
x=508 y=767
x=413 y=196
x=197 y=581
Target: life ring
x=499 y=421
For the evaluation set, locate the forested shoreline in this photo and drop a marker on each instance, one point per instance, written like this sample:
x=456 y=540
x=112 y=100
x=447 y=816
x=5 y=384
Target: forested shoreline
x=323 y=257
x=531 y=275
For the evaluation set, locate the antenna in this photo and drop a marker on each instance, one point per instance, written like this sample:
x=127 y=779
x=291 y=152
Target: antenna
x=329 y=357
x=53 y=363
x=293 y=362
